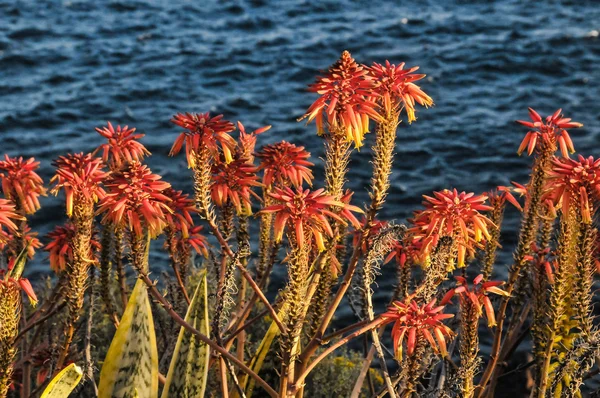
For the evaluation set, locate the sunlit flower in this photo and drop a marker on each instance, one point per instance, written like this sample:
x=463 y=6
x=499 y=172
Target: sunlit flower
x=232 y=183
x=449 y=213
x=376 y=227
x=346 y=100
x=28 y=237
x=182 y=207
x=395 y=85
x=122 y=147
x=248 y=141
x=60 y=248
x=575 y=182
x=81 y=177
x=501 y=195
x=203 y=131
x=404 y=253
x=308 y=211
x=540 y=258
x=552 y=131
x=22 y=284
x=284 y=164
x=417 y=323
x=477 y=295
x=21 y=183
x=7 y=217
x=135 y=198
x=194 y=239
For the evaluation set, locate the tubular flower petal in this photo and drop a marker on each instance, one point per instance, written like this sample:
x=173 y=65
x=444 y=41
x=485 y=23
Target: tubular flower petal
x=346 y=100
x=22 y=284
x=60 y=247
x=203 y=131
x=285 y=164
x=21 y=183
x=122 y=147
x=501 y=195
x=395 y=85
x=449 y=213
x=232 y=183
x=135 y=198
x=248 y=141
x=194 y=239
x=575 y=183
x=182 y=207
x=7 y=217
x=305 y=210
x=552 y=131
x=418 y=323
x=80 y=176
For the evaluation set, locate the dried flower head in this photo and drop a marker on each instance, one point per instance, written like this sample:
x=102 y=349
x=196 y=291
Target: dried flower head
x=7 y=217
x=122 y=147
x=395 y=85
x=449 y=213
x=135 y=198
x=284 y=164
x=308 y=210
x=232 y=183
x=21 y=183
x=203 y=132
x=346 y=100
x=416 y=323
x=575 y=182
x=182 y=208
x=477 y=295
x=60 y=247
x=248 y=141
x=552 y=131
x=81 y=177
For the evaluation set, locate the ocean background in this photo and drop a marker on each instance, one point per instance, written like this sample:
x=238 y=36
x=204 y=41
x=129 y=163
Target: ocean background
x=67 y=67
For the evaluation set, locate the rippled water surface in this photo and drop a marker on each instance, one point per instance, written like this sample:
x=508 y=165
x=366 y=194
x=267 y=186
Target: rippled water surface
x=67 y=67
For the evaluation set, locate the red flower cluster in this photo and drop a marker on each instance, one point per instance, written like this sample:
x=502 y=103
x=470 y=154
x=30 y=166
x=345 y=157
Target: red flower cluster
x=7 y=215
x=22 y=284
x=194 y=240
x=346 y=92
x=60 y=249
x=232 y=183
x=21 y=183
x=30 y=239
x=284 y=164
x=501 y=195
x=135 y=198
x=453 y=214
x=202 y=131
x=394 y=85
x=122 y=147
x=477 y=296
x=575 y=182
x=415 y=322
x=182 y=207
x=308 y=210
x=552 y=131
x=248 y=141
x=80 y=176
x=404 y=253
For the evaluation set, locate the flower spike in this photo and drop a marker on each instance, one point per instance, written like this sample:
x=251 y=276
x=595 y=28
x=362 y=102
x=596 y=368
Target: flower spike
x=21 y=183
x=122 y=146
x=553 y=131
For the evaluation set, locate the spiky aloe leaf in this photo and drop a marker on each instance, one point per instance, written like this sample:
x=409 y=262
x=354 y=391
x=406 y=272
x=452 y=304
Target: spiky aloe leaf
x=63 y=383
x=130 y=368
x=188 y=370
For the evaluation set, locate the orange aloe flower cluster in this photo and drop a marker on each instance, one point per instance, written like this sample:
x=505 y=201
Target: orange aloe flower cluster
x=394 y=85
x=7 y=281
x=122 y=146
x=8 y=216
x=308 y=210
x=575 y=183
x=27 y=236
x=21 y=183
x=553 y=130
x=346 y=101
x=60 y=248
x=417 y=323
x=454 y=214
x=248 y=141
x=203 y=131
x=285 y=164
x=135 y=198
x=182 y=208
x=232 y=183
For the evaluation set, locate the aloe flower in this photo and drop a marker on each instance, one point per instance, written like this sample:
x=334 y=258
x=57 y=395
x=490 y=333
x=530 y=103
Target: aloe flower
x=285 y=164
x=346 y=102
x=21 y=183
x=8 y=215
x=575 y=183
x=305 y=210
x=122 y=146
x=553 y=130
x=416 y=323
x=135 y=198
x=182 y=208
x=395 y=85
x=60 y=247
x=203 y=131
x=248 y=141
x=194 y=239
x=232 y=183
x=27 y=236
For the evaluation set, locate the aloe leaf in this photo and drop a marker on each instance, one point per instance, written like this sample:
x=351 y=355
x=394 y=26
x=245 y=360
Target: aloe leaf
x=63 y=383
x=131 y=365
x=188 y=370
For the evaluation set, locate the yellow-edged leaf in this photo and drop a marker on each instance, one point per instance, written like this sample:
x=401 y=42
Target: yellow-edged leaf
x=131 y=365
x=63 y=383
x=188 y=370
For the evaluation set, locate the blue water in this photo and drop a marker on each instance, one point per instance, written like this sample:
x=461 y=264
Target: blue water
x=67 y=67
